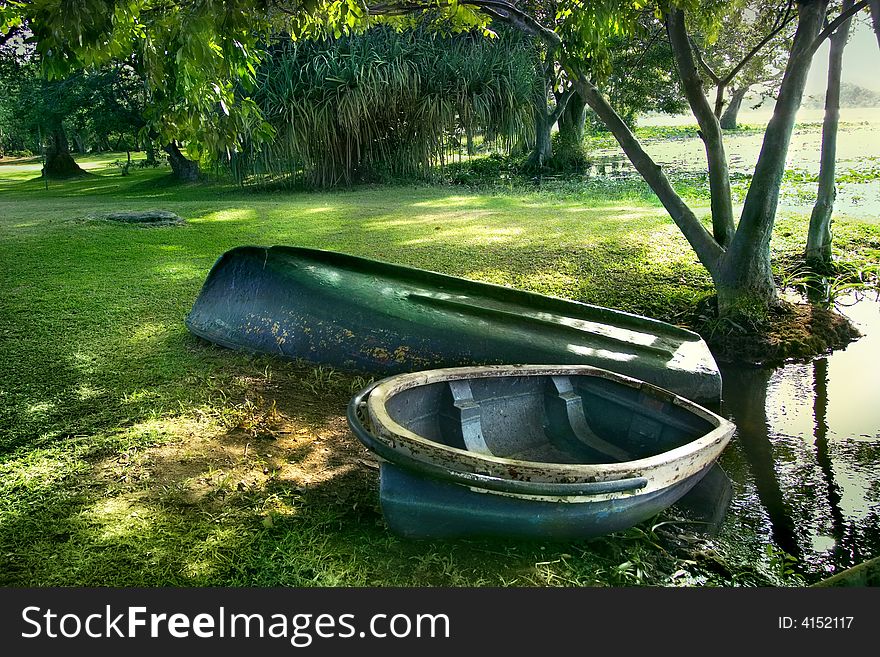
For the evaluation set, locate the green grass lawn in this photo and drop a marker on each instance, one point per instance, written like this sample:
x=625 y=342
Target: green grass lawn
x=134 y=454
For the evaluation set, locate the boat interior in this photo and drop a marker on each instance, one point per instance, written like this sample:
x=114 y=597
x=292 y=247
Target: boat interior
x=547 y=419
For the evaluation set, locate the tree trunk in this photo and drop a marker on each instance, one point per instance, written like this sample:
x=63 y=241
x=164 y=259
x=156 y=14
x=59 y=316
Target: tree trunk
x=150 y=147
x=744 y=281
x=875 y=18
x=570 y=152
x=182 y=169
x=573 y=120
x=59 y=163
x=80 y=143
x=818 y=251
x=728 y=119
x=542 y=152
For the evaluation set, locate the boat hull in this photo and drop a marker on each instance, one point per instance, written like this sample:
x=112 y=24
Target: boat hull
x=415 y=506
x=361 y=314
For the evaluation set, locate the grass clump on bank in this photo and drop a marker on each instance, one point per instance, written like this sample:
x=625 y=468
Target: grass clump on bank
x=133 y=454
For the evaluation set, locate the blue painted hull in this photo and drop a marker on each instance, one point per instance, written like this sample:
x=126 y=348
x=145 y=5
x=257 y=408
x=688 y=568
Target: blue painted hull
x=423 y=507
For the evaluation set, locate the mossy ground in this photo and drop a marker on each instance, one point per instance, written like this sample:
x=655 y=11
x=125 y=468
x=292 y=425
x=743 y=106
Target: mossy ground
x=791 y=331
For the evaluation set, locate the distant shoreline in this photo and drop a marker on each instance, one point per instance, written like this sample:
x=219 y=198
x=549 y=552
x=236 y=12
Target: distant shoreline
x=762 y=116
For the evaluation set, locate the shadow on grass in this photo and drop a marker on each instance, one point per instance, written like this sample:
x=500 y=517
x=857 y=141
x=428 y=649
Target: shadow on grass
x=203 y=507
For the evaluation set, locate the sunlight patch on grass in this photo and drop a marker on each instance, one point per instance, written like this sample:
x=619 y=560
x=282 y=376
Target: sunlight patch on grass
x=85 y=363
x=149 y=333
x=664 y=248
x=180 y=271
x=40 y=409
x=117 y=517
x=227 y=215
x=550 y=282
x=37 y=470
x=472 y=234
x=434 y=219
x=488 y=275
x=451 y=202
x=86 y=391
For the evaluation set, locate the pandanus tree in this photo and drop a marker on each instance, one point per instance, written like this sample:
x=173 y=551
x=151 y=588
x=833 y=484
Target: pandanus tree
x=350 y=108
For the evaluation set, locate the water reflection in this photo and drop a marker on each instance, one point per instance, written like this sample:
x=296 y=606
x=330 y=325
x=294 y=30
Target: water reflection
x=804 y=460
x=745 y=400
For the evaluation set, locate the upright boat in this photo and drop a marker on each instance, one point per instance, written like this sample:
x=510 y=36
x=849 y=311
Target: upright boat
x=531 y=450
x=356 y=313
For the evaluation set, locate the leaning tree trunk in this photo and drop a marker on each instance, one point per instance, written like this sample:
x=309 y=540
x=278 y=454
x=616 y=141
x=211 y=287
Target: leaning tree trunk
x=59 y=163
x=710 y=129
x=182 y=169
x=728 y=119
x=818 y=251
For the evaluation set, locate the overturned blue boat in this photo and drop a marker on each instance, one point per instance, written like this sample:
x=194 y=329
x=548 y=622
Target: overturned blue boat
x=531 y=451
x=356 y=313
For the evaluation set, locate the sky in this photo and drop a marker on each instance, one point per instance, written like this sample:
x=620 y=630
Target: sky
x=861 y=61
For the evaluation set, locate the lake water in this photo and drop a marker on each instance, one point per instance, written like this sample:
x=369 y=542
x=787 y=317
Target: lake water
x=858 y=151
x=805 y=460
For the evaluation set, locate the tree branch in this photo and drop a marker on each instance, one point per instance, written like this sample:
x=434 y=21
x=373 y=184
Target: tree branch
x=837 y=22
x=509 y=12
x=648 y=46
x=501 y=10
x=561 y=102
x=702 y=62
x=763 y=42
x=710 y=128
